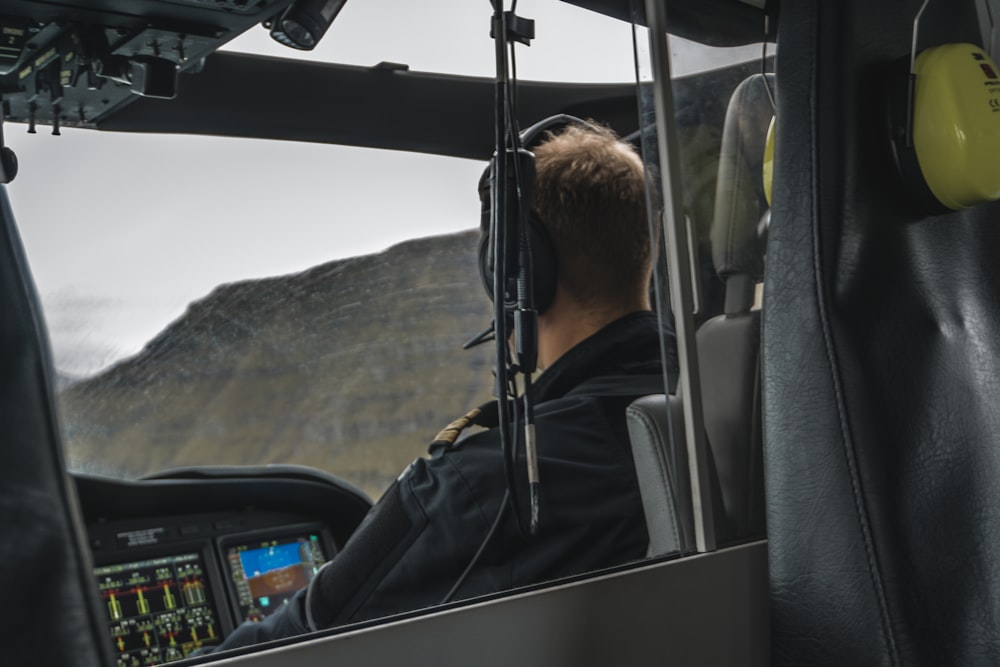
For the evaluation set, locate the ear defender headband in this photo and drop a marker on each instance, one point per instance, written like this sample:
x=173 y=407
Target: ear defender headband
x=947 y=144
x=541 y=252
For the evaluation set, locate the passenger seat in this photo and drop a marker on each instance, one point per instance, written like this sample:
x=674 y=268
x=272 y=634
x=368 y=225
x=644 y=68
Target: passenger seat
x=728 y=358
x=729 y=344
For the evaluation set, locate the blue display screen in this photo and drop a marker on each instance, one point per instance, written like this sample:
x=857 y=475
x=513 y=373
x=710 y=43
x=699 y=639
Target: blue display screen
x=266 y=573
x=256 y=562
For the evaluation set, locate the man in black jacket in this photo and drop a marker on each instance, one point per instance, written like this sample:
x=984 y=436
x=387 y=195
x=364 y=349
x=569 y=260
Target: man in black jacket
x=599 y=346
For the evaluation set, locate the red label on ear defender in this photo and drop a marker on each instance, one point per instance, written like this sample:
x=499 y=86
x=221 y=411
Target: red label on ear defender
x=990 y=73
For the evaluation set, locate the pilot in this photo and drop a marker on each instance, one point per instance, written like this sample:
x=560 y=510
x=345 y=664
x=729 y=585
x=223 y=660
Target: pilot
x=599 y=346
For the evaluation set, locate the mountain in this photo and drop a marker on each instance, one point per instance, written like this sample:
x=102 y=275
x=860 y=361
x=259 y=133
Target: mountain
x=64 y=380
x=352 y=366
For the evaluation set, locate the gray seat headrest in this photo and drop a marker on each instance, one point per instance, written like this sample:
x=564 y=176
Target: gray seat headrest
x=739 y=194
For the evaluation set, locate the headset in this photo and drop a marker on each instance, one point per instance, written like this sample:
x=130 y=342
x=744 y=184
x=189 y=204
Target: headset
x=529 y=271
x=946 y=126
x=541 y=256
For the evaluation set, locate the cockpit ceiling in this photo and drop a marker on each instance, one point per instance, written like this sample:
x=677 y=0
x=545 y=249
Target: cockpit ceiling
x=385 y=106
x=152 y=66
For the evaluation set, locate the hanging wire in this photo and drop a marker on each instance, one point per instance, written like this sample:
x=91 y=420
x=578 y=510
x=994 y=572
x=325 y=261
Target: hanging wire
x=508 y=143
x=763 y=64
x=508 y=140
x=504 y=504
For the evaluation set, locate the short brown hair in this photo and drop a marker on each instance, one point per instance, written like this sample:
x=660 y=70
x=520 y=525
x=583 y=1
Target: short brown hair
x=590 y=194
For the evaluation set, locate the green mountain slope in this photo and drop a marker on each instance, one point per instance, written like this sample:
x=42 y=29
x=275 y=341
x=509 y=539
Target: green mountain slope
x=351 y=366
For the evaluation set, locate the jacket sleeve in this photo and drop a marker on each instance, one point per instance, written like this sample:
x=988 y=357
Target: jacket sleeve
x=345 y=581
x=409 y=550
x=287 y=621
x=407 y=553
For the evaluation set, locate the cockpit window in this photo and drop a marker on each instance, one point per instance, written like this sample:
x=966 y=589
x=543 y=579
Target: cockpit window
x=226 y=301
x=221 y=301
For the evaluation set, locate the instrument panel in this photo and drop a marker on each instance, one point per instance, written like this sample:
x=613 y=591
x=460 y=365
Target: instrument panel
x=159 y=609
x=172 y=583
x=265 y=571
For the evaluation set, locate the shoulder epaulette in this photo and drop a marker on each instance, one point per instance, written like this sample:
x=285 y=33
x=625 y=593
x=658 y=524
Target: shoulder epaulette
x=485 y=415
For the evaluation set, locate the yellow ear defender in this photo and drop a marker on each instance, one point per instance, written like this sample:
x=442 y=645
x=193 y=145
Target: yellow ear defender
x=948 y=147
x=767 y=168
x=956 y=124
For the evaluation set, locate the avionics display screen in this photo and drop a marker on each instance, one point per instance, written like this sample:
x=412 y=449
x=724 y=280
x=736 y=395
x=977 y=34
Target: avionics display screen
x=267 y=572
x=158 y=610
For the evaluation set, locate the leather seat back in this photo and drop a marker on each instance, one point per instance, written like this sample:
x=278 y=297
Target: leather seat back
x=881 y=365
x=46 y=577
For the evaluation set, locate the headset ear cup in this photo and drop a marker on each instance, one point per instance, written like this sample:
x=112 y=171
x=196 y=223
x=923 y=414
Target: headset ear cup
x=951 y=158
x=543 y=265
x=485 y=274
x=956 y=124
x=917 y=194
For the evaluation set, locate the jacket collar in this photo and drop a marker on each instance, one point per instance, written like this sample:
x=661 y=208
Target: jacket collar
x=628 y=346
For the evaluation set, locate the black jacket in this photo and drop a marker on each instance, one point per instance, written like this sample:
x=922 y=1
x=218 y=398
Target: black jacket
x=413 y=545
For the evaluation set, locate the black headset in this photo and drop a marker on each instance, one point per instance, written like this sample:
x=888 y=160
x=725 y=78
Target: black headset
x=541 y=254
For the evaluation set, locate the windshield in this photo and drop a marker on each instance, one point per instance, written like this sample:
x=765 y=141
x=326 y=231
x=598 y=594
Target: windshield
x=229 y=301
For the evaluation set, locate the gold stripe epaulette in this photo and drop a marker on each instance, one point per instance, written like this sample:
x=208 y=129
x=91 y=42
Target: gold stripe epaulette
x=449 y=434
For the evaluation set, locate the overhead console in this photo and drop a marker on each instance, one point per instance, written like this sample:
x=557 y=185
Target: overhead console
x=75 y=63
x=181 y=560
x=111 y=65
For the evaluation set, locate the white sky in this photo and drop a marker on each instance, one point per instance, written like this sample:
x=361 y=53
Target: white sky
x=122 y=231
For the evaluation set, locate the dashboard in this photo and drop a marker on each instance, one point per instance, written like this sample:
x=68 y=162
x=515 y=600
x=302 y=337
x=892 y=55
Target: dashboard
x=183 y=558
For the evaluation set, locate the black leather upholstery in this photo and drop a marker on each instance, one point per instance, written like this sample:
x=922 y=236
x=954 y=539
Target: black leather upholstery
x=51 y=612
x=881 y=368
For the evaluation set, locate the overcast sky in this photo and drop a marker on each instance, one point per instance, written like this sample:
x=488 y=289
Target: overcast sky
x=123 y=231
